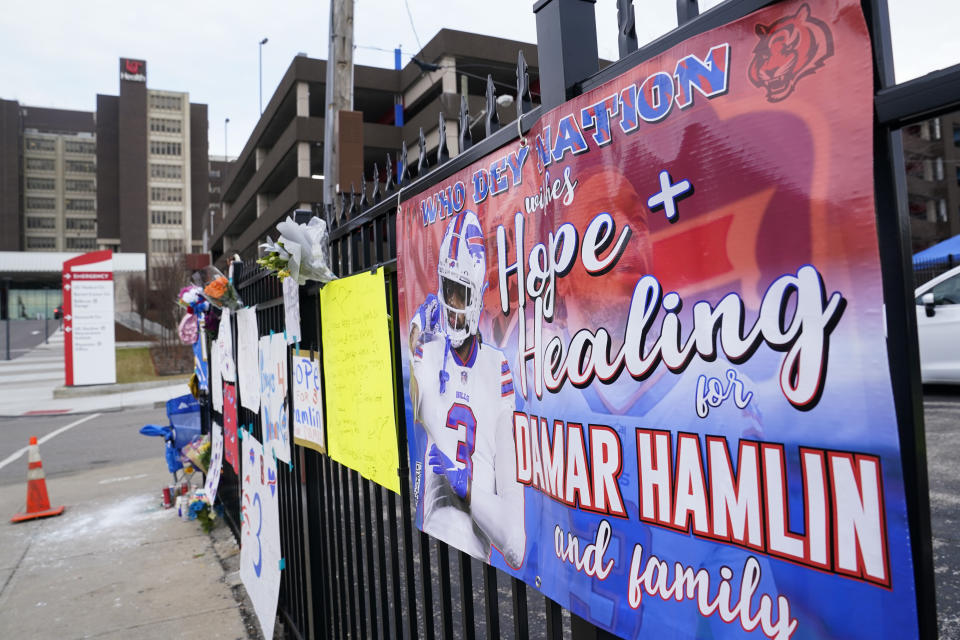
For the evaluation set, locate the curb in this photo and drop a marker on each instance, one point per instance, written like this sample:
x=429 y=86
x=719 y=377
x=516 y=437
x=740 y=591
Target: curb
x=106 y=389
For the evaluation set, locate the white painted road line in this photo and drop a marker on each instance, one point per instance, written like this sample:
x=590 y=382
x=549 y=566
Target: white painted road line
x=16 y=455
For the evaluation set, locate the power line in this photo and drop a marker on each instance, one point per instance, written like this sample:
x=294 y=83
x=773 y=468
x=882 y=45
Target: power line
x=410 y=15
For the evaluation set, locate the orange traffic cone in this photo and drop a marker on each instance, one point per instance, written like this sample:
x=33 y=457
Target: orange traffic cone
x=38 y=502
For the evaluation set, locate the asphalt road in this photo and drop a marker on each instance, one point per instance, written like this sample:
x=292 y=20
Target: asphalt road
x=24 y=335
x=107 y=439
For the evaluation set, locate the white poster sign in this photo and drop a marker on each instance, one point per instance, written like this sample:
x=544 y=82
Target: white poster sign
x=248 y=362
x=216 y=381
x=260 y=554
x=273 y=396
x=216 y=463
x=88 y=322
x=308 y=430
x=291 y=309
x=224 y=347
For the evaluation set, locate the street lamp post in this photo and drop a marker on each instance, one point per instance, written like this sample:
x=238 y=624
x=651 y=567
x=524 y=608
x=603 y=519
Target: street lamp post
x=226 y=121
x=262 y=42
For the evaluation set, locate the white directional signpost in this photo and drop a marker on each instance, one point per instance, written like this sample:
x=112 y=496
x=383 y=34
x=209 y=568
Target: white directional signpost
x=88 y=329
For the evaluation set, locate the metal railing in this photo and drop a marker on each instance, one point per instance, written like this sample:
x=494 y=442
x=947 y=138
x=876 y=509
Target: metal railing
x=356 y=567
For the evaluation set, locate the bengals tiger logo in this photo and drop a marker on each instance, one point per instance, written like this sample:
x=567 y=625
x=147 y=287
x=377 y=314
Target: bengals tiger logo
x=789 y=49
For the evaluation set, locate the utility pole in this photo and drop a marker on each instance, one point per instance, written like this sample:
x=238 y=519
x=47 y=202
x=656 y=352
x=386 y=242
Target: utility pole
x=339 y=90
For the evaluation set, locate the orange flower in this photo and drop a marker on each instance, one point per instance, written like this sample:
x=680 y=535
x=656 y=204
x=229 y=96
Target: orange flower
x=216 y=288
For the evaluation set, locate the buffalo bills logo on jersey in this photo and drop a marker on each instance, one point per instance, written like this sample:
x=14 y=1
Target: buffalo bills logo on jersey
x=463 y=377
x=790 y=48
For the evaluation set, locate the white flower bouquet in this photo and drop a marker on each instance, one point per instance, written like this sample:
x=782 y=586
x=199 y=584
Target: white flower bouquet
x=301 y=252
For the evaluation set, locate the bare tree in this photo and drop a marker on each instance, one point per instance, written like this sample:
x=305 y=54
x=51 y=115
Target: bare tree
x=139 y=296
x=168 y=274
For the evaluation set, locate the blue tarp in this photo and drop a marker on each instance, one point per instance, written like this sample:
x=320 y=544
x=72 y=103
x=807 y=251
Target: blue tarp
x=940 y=251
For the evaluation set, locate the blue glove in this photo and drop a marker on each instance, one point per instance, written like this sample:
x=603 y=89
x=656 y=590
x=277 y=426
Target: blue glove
x=429 y=313
x=442 y=465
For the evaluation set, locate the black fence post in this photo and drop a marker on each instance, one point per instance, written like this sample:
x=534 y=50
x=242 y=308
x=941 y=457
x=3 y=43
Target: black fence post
x=893 y=230
x=566 y=47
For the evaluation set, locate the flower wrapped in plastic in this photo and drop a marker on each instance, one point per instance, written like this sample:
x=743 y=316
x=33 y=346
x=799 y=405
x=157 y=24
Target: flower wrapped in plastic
x=301 y=252
x=199 y=509
x=216 y=288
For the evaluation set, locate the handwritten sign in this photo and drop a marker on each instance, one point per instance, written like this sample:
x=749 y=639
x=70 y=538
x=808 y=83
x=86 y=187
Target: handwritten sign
x=291 y=309
x=216 y=380
x=361 y=425
x=230 y=426
x=260 y=553
x=224 y=347
x=308 y=404
x=216 y=462
x=273 y=396
x=248 y=363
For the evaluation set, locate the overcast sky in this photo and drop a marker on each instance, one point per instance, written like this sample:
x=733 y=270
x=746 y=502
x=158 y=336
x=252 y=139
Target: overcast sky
x=61 y=53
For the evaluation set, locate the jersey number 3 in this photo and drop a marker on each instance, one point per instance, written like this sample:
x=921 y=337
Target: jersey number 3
x=460 y=415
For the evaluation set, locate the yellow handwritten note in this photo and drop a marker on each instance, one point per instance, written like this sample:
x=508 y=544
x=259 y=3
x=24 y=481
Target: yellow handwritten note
x=361 y=423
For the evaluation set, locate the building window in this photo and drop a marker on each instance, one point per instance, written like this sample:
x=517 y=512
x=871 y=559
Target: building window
x=85 y=186
x=165 y=125
x=166 y=218
x=166 y=245
x=41 y=223
x=84 y=244
x=215 y=173
x=42 y=184
x=74 y=146
x=935 y=128
x=40 y=144
x=79 y=166
x=214 y=188
x=81 y=224
x=163 y=148
x=921 y=207
x=80 y=204
x=166 y=171
x=41 y=204
x=958 y=176
x=34 y=242
x=956 y=135
x=169 y=103
x=41 y=164
x=166 y=194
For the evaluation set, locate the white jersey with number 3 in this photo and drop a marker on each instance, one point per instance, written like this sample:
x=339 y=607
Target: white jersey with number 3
x=471 y=422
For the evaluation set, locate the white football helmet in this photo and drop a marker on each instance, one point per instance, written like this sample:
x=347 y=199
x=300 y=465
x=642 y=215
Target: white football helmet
x=462 y=277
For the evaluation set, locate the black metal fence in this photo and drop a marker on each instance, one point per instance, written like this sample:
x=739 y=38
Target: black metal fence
x=356 y=567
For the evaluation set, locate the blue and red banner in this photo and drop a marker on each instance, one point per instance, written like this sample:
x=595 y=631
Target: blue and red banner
x=645 y=353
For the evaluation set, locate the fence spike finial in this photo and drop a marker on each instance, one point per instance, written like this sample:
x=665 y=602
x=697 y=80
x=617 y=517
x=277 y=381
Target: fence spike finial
x=363 y=192
x=687 y=10
x=403 y=175
x=627 y=22
x=343 y=208
x=352 y=212
x=493 y=120
x=524 y=100
x=388 y=186
x=466 y=138
x=375 y=196
x=422 y=162
x=442 y=155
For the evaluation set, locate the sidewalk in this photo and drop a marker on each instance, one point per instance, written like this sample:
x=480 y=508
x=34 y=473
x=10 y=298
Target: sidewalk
x=114 y=565
x=27 y=384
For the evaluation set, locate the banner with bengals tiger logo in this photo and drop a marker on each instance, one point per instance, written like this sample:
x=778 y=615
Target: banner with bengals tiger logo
x=644 y=353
